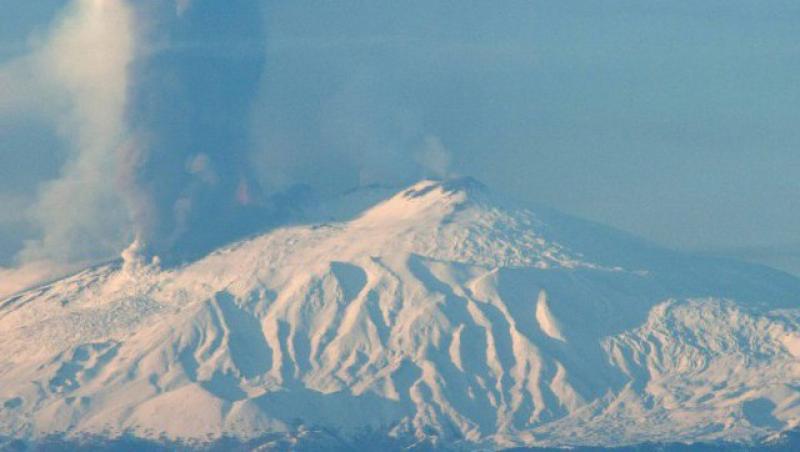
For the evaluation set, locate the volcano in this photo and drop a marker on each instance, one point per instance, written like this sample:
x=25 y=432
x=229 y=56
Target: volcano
x=441 y=315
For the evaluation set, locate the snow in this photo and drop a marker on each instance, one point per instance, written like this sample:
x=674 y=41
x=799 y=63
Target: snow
x=440 y=312
x=547 y=322
x=792 y=343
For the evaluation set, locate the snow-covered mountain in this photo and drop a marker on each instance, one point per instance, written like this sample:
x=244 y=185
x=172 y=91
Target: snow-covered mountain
x=440 y=314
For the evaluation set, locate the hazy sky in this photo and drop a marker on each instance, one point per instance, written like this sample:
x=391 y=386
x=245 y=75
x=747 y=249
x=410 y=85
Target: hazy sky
x=189 y=122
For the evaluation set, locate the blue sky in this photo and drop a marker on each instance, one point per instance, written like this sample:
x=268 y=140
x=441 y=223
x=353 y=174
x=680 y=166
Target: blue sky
x=188 y=122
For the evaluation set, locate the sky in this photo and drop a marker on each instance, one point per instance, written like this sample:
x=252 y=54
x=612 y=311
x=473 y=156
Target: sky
x=190 y=123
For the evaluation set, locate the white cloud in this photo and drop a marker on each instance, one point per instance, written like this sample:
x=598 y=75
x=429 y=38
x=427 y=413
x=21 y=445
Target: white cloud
x=15 y=279
x=80 y=71
x=434 y=158
x=76 y=78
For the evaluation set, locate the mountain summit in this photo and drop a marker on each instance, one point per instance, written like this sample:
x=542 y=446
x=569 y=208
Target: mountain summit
x=441 y=314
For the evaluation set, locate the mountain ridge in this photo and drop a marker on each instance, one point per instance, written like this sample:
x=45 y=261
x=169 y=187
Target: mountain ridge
x=441 y=314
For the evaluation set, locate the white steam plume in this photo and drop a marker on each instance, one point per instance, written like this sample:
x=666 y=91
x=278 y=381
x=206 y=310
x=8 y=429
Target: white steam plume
x=77 y=78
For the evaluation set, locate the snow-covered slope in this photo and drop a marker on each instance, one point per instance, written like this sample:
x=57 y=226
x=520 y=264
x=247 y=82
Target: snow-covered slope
x=441 y=313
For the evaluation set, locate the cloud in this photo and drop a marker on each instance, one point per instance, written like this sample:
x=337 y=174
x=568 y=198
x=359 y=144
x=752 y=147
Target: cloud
x=15 y=279
x=359 y=131
x=161 y=130
x=85 y=59
x=190 y=100
x=75 y=79
x=162 y=118
x=192 y=122
x=434 y=158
